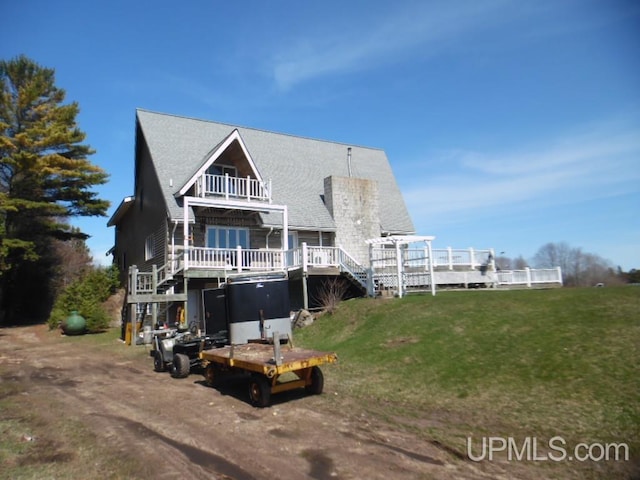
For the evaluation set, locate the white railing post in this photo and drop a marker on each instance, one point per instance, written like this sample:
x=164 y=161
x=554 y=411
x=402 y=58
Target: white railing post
x=528 y=274
x=239 y=258
x=450 y=258
x=305 y=259
x=226 y=186
x=472 y=258
x=185 y=232
x=560 y=275
x=248 y=187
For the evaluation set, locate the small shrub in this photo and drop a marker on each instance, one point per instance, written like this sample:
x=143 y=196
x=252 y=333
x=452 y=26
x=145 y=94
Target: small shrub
x=86 y=296
x=331 y=293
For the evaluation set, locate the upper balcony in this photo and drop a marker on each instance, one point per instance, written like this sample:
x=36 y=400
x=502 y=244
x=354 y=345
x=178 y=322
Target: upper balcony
x=233 y=188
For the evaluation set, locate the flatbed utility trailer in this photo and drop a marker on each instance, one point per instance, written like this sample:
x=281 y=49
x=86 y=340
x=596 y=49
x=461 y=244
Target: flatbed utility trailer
x=267 y=362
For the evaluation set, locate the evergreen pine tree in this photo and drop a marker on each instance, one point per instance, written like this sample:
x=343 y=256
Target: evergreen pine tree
x=45 y=175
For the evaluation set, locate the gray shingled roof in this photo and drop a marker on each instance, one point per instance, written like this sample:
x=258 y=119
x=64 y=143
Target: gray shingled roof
x=296 y=166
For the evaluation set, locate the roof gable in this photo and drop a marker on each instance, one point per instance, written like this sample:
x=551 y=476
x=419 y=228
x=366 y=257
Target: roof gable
x=296 y=167
x=215 y=154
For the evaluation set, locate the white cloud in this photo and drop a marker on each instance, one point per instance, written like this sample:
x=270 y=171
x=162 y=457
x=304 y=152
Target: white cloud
x=577 y=168
x=372 y=43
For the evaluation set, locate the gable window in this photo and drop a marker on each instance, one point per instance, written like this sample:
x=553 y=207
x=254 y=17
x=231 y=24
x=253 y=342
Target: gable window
x=222 y=170
x=227 y=237
x=149 y=248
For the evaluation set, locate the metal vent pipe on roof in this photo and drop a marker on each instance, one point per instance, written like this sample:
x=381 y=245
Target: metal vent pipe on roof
x=349 y=160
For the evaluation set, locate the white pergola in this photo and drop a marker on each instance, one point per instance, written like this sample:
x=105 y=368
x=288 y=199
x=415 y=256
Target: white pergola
x=399 y=242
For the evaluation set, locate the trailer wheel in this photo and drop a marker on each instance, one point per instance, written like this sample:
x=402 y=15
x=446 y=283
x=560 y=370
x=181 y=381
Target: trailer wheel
x=210 y=375
x=317 y=381
x=259 y=391
x=158 y=362
x=181 y=366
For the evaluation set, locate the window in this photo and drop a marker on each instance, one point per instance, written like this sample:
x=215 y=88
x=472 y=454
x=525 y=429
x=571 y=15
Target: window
x=149 y=248
x=227 y=237
x=222 y=170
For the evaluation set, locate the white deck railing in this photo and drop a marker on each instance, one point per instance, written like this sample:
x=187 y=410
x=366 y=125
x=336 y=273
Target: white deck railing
x=442 y=258
x=530 y=276
x=241 y=259
x=235 y=188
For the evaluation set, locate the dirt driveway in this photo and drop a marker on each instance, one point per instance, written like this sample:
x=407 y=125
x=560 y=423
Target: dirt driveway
x=182 y=429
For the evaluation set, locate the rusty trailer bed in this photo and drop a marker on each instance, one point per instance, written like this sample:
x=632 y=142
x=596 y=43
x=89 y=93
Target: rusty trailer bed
x=266 y=363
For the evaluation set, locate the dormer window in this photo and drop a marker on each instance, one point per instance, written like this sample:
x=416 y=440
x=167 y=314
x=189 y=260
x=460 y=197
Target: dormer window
x=222 y=170
x=228 y=172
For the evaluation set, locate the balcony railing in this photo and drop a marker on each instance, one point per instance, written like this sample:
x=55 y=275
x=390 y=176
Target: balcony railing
x=238 y=259
x=244 y=259
x=233 y=188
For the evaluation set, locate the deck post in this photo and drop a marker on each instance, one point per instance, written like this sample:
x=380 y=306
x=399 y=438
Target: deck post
x=399 y=269
x=154 y=289
x=305 y=267
x=450 y=257
x=528 y=271
x=133 y=279
x=370 y=286
x=185 y=305
x=432 y=278
x=285 y=228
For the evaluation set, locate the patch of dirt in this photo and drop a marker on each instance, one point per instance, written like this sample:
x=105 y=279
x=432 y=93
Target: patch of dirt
x=182 y=429
x=400 y=341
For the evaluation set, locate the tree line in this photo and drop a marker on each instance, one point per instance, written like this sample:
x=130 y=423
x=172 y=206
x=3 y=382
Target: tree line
x=579 y=268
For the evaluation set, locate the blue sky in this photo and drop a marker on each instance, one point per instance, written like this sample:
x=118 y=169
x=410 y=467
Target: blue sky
x=508 y=124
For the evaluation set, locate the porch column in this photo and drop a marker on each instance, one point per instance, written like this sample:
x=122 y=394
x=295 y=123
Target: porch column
x=285 y=228
x=371 y=290
x=154 y=290
x=431 y=275
x=399 y=269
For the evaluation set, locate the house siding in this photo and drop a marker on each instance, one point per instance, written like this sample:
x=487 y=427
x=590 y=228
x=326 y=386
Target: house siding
x=146 y=217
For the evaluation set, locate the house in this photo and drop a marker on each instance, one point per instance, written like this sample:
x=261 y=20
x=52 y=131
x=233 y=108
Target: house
x=213 y=200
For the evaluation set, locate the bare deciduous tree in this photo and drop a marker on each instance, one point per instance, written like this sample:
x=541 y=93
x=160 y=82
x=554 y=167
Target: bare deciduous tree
x=578 y=268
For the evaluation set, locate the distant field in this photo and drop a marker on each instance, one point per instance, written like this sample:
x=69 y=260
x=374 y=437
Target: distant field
x=523 y=363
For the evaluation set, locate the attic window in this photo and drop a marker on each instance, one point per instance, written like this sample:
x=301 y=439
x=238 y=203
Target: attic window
x=223 y=170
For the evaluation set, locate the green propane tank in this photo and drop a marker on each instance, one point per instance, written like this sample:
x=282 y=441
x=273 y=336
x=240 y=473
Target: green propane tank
x=75 y=324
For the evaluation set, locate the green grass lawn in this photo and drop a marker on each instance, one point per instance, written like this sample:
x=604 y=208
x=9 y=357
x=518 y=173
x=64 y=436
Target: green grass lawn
x=512 y=363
